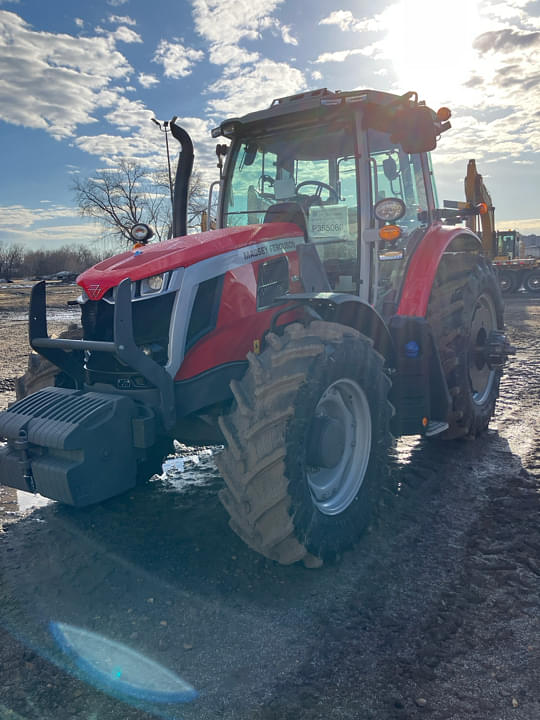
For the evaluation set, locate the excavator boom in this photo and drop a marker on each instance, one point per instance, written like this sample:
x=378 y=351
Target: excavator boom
x=475 y=193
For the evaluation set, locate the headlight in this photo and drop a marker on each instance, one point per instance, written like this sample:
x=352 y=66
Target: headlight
x=141 y=233
x=152 y=284
x=390 y=209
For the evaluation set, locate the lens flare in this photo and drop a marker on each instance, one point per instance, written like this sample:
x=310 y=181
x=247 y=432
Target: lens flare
x=119 y=670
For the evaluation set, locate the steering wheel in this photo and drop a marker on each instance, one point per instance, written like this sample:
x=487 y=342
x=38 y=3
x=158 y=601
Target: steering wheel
x=332 y=199
x=265 y=179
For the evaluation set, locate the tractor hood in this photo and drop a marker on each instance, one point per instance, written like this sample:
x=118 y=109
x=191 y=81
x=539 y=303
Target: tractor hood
x=178 y=252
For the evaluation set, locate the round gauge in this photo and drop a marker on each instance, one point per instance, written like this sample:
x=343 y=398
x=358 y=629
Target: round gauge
x=390 y=209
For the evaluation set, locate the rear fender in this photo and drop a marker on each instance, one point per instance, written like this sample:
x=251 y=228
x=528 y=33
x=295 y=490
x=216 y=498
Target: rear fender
x=425 y=262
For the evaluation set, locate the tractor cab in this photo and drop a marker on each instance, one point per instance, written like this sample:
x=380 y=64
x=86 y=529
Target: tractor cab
x=352 y=170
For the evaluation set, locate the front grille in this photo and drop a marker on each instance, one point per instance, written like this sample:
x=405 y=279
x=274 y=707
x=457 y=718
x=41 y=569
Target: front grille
x=151 y=322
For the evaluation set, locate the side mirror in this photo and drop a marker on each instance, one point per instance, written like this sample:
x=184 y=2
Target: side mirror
x=249 y=153
x=390 y=168
x=414 y=128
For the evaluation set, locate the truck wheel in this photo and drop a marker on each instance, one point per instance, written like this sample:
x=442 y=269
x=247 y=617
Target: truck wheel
x=464 y=309
x=532 y=281
x=507 y=281
x=307 y=443
x=41 y=373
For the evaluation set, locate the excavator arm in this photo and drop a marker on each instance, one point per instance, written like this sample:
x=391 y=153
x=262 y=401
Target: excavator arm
x=484 y=223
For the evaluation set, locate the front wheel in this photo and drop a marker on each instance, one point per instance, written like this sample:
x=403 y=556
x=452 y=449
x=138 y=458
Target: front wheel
x=307 y=443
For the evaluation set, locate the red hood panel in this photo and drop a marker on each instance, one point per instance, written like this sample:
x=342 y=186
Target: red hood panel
x=178 y=252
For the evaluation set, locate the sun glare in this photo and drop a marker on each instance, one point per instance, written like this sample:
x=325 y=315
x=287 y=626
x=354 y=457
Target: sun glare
x=430 y=45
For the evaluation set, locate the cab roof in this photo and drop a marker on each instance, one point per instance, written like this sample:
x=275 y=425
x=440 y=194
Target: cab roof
x=312 y=100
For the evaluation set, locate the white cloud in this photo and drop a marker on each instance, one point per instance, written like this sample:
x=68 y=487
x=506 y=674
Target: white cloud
x=249 y=81
x=231 y=55
x=287 y=36
x=177 y=60
x=79 y=22
x=49 y=227
x=220 y=22
x=316 y=75
x=345 y=20
x=117 y=3
x=125 y=34
x=260 y=85
x=14 y=217
x=129 y=114
x=529 y=226
x=338 y=56
x=145 y=143
x=274 y=25
x=121 y=20
x=224 y=25
x=55 y=81
x=147 y=80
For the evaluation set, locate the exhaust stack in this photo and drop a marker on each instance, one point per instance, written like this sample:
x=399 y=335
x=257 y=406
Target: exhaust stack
x=181 y=182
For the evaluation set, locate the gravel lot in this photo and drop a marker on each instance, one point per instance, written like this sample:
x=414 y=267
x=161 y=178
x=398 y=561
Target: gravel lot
x=435 y=614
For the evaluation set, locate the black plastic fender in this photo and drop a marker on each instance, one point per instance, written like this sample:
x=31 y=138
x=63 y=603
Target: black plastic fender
x=348 y=310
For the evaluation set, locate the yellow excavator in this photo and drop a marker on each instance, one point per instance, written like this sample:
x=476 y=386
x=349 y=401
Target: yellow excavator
x=504 y=248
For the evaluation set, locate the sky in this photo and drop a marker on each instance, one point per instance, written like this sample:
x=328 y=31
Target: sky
x=80 y=82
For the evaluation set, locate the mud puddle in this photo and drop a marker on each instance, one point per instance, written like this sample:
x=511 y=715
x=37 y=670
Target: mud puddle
x=54 y=315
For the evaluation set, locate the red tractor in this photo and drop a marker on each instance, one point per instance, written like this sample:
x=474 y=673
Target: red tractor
x=330 y=310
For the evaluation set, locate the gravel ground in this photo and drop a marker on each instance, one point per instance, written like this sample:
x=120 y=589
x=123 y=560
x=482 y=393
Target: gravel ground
x=435 y=614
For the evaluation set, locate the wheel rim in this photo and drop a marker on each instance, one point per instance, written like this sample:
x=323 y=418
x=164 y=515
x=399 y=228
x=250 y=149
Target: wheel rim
x=481 y=375
x=333 y=489
x=533 y=283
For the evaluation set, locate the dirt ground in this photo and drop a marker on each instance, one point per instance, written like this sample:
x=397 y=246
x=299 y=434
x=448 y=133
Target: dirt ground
x=435 y=614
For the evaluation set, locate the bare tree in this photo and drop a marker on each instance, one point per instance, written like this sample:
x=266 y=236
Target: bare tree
x=11 y=258
x=197 y=198
x=121 y=197
x=39 y=263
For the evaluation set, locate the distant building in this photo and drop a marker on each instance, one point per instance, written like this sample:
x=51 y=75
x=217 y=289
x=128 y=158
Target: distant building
x=531 y=245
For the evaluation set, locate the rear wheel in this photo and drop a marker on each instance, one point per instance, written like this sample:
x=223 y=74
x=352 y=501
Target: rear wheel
x=307 y=443
x=466 y=314
x=507 y=281
x=532 y=281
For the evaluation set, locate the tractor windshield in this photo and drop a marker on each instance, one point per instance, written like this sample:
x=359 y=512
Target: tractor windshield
x=306 y=176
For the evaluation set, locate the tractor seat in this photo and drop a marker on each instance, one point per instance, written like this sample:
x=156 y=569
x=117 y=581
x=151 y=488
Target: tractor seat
x=289 y=212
